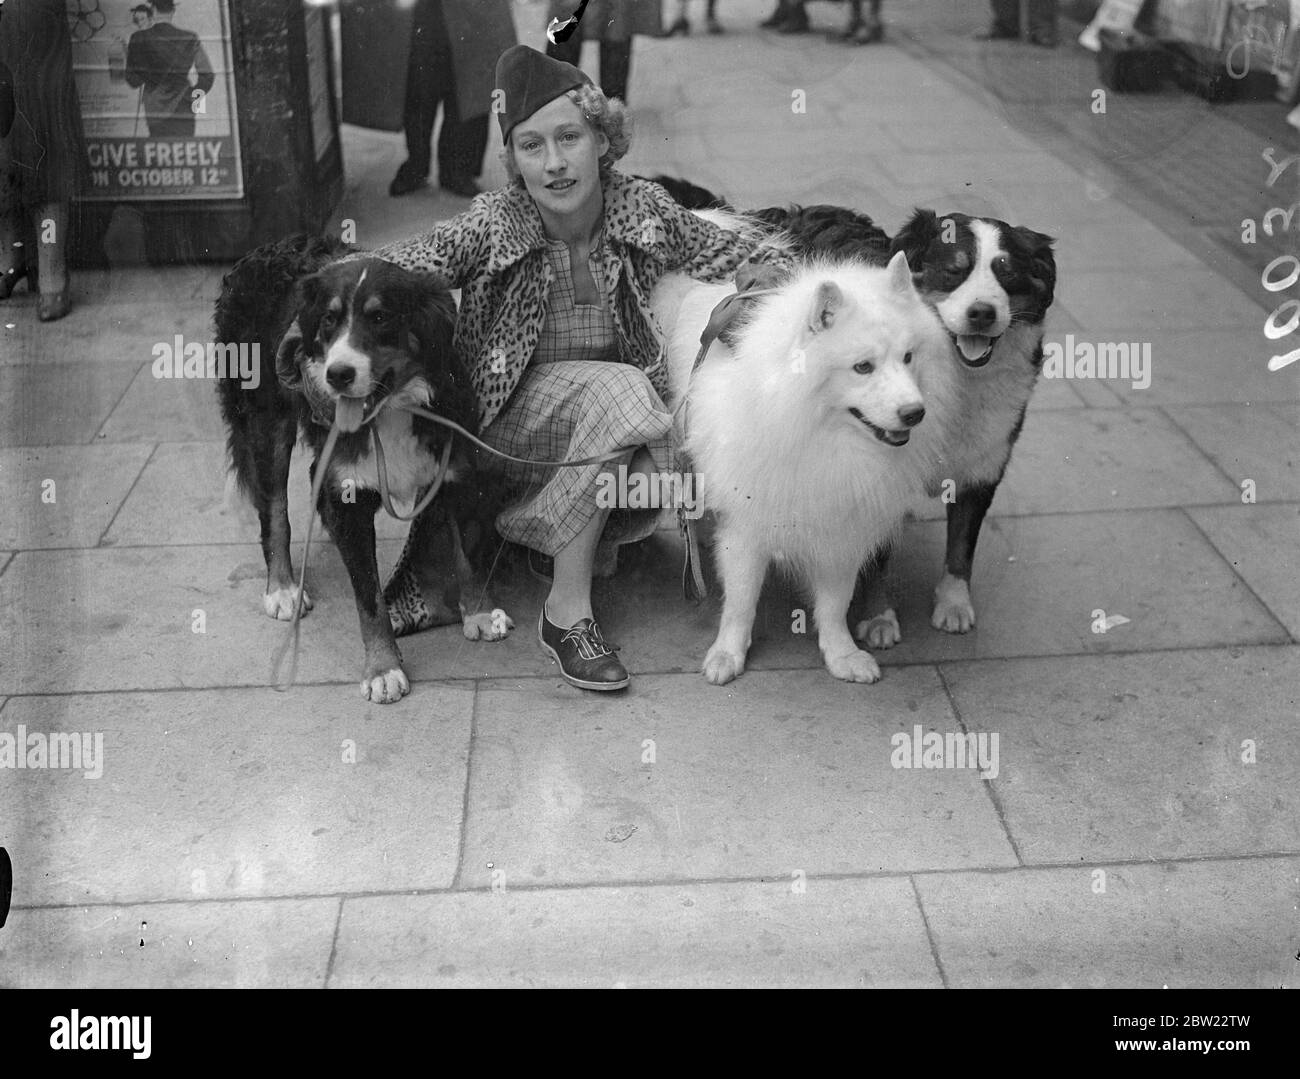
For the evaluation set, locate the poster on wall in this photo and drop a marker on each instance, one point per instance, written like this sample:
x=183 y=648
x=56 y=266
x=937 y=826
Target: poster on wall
x=1260 y=35
x=157 y=99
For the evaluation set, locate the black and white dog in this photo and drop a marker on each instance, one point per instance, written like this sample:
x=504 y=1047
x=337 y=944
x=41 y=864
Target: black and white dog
x=991 y=284
x=369 y=332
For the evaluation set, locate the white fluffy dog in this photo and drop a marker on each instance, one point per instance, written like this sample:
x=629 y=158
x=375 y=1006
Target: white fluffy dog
x=811 y=438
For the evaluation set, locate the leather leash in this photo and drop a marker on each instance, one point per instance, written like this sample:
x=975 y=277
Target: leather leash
x=721 y=317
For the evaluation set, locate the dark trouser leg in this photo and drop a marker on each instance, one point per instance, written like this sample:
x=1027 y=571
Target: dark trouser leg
x=1006 y=17
x=778 y=16
x=615 y=67
x=427 y=69
x=1042 y=19
x=461 y=145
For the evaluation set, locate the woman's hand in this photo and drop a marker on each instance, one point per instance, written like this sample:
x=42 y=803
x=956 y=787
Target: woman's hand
x=758 y=275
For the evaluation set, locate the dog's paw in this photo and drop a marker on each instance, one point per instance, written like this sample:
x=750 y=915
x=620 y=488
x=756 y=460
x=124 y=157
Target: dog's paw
x=488 y=625
x=882 y=631
x=387 y=687
x=721 y=666
x=953 y=612
x=281 y=602
x=855 y=666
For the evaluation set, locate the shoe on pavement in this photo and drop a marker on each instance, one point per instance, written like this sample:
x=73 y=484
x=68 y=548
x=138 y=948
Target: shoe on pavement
x=585 y=659
x=405 y=182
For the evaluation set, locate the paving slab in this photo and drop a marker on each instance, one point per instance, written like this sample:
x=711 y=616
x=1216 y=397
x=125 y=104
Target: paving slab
x=1178 y=297
x=1142 y=757
x=157 y=285
x=120 y=332
x=277 y=944
x=992 y=137
x=838 y=933
x=238 y=793
x=1130 y=246
x=120 y=619
x=1038 y=580
x=165 y=410
x=722 y=151
x=780 y=772
x=1061 y=210
x=1106 y=459
x=184 y=496
x=1248 y=441
x=87 y=486
x=1202 y=366
x=973 y=168
x=1260 y=542
x=1100 y=459
x=58 y=403
x=1200 y=925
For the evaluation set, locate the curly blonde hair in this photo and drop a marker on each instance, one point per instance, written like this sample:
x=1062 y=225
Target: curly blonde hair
x=606 y=115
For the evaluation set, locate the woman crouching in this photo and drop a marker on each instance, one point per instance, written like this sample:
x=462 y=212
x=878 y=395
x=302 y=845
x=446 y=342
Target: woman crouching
x=556 y=271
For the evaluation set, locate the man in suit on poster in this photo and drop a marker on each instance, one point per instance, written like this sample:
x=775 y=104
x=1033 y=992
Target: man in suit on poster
x=160 y=58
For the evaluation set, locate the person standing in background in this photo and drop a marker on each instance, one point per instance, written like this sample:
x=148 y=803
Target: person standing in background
x=1006 y=22
x=160 y=58
x=612 y=23
x=452 y=42
x=860 y=31
x=788 y=18
x=43 y=156
x=682 y=25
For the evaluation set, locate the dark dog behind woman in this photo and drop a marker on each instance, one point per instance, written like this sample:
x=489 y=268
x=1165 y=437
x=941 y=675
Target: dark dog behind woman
x=556 y=271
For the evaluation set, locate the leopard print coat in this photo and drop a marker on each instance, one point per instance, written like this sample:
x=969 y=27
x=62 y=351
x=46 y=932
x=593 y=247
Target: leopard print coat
x=495 y=252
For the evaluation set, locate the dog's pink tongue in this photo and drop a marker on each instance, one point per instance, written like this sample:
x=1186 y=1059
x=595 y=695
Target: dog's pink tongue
x=973 y=345
x=348 y=414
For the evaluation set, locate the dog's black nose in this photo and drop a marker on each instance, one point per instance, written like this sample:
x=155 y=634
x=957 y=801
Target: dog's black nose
x=980 y=316
x=912 y=416
x=340 y=375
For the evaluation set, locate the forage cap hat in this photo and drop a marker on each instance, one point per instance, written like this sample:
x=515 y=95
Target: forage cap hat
x=531 y=79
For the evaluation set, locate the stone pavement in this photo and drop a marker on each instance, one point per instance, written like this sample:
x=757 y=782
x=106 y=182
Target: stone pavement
x=500 y=828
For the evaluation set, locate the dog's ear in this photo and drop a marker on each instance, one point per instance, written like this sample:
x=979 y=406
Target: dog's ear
x=1042 y=262
x=914 y=238
x=827 y=301
x=900 y=277
x=432 y=328
x=301 y=333
x=432 y=315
